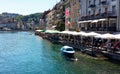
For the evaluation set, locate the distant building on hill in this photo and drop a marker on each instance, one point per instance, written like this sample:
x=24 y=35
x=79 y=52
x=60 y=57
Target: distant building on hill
x=12 y=26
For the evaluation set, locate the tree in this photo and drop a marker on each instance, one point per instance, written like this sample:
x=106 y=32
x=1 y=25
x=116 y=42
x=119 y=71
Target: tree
x=60 y=26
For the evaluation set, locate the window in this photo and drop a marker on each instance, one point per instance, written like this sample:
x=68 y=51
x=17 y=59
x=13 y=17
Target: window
x=89 y=2
x=113 y=9
x=89 y=12
x=94 y=2
x=99 y=11
x=106 y=9
x=79 y=0
x=99 y=1
x=113 y=0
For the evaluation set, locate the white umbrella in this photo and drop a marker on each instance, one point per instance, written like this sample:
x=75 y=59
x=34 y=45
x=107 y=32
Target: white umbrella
x=117 y=36
x=82 y=33
x=106 y=36
x=92 y=34
x=70 y=32
x=65 y=32
x=52 y=31
x=75 y=33
x=39 y=30
x=98 y=36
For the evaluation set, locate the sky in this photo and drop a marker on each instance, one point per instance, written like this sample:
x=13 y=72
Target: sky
x=26 y=7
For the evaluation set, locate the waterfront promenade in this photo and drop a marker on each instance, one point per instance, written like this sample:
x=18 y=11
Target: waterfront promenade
x=91 y=43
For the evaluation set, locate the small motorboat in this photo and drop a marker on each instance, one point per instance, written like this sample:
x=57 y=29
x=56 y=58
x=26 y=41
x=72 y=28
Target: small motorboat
x=68 y=51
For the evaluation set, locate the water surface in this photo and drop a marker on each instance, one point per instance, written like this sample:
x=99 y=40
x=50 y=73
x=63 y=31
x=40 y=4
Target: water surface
x=25 y=53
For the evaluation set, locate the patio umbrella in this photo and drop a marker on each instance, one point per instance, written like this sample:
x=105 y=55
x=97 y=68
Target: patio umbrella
x=117 y=36
x=75 y=33
x=106 y=36
x=66 y=32
x=52 y=31
x=82 y=33
x=92 y=34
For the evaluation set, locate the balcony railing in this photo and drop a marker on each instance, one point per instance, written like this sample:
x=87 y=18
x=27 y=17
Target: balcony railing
x=99 y=16
x=99 y=29
x=92 y=6
x=104 y=2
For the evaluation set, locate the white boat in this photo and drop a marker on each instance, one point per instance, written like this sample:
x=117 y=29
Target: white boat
x=68 y=51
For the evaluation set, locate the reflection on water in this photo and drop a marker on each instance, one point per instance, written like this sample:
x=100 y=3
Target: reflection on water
x=25 y=53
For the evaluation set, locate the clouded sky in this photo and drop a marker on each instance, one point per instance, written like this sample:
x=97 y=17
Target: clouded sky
x=26 y=7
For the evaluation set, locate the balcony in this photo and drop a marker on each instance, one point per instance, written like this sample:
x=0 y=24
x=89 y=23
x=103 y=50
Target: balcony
x=108 y=14
x=92 y=6
x=104 y=3
x=101 y=29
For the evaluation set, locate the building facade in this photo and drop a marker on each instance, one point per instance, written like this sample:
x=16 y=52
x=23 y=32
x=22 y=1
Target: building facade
x=98 y=15
x=67 y=14
x=53 y=17
x=49 y=20
x=58 y=12
x=74 y=13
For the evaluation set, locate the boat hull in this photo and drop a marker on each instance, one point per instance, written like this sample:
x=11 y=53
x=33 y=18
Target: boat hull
x=70 y=55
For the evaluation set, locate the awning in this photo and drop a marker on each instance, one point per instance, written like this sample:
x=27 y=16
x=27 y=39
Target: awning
x=106 y=36
x=92 y=34
x=92 y=21
x=52 y=31
x=85 y=21
x=40 y=30
x=102 y=19
x=95 y=21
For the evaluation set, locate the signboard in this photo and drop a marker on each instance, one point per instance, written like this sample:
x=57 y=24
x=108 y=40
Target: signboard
x=67 y=12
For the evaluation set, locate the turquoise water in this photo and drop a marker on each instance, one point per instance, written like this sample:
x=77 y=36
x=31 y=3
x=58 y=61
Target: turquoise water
x=25 y=53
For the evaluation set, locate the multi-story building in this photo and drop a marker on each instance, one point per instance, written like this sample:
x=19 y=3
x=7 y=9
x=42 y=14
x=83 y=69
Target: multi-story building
x=58 y=12
x=49 y=20
x=53 y=17
x=98 y=15
x=74 y=13
x=44 y=20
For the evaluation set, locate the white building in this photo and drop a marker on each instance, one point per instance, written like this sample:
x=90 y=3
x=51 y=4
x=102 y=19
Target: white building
x=98 y=15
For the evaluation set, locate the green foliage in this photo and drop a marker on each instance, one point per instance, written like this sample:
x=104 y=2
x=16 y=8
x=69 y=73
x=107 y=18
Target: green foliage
x=60 y=26
x=18 y=18
x=28 y=18
x=33 y=17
